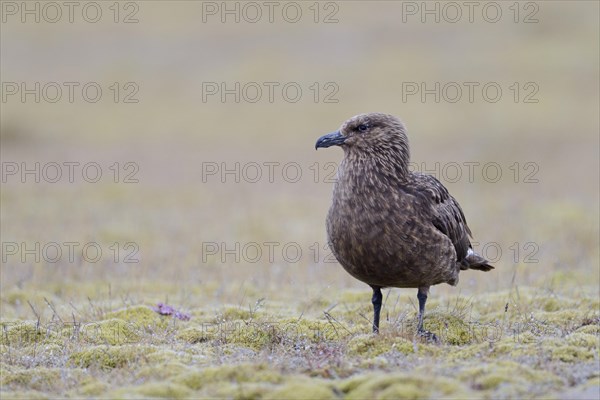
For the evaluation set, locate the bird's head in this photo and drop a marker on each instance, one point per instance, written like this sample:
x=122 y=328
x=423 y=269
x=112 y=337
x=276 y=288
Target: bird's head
x=373 y=133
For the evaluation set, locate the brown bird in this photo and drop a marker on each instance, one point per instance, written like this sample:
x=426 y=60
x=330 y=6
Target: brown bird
x=389 y=226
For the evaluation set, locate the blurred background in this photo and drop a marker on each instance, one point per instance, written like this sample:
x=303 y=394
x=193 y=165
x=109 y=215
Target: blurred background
x=164 y=150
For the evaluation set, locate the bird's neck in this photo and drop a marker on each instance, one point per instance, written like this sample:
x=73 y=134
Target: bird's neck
x=371 y=175
x=385 y=163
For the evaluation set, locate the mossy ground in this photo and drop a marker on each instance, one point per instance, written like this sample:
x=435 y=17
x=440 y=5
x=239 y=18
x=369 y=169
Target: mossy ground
x=267 y=354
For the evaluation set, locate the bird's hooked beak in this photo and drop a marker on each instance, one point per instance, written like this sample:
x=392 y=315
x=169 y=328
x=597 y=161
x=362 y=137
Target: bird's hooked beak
x=331 y=139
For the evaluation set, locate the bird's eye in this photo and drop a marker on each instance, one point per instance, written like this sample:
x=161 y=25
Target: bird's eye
x=362 y=127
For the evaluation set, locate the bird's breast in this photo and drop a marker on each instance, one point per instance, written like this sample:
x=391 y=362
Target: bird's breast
x=378 y=235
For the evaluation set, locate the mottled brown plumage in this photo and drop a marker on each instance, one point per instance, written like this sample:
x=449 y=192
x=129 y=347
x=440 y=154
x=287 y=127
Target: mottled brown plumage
x=388 y=226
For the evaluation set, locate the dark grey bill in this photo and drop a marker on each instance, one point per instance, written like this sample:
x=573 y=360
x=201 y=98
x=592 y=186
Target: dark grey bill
x=331 y=139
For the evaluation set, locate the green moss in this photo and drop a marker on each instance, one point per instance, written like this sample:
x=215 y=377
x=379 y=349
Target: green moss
x=242 y=391
x=112 y=331
x=25 y=333
x=233 y=313
x=400 y=390
x=494 y=303
x=229 y=373
x=252 y=334
x=542 y=307
x=195 y=335
x=585 y=340
x=461 y=353
x=487 y=376
x=516 y=379
x=163 y=355
x=41 y=351
x=354 y=315
x=491 y=381
x=564 y=319
x=373 y=345
x=166 y=390
x=527 y=338
x=449 y=328
x=589 y=329
x=432 y=349
x=305 y=389
x=571 y=354
x=513 y=348
x=140 y=317
x=184 y=359
x=161 y=371
x=312 y=329
x=107 y=357
x=258 y=334
x=350 y=384
x=398 y=386
x=551 y=304
x=92 y=389
x=42 y=379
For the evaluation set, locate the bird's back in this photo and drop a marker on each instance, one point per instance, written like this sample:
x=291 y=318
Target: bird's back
x=447 y=216
x=444 y=212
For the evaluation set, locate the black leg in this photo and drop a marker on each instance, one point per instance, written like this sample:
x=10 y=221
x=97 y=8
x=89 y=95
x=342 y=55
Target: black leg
x=422 y=296
x=376 y=300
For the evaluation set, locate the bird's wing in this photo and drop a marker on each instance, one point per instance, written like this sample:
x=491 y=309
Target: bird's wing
x=446 y=214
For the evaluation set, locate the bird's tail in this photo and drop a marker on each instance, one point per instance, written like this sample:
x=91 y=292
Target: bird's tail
x=475 y=261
